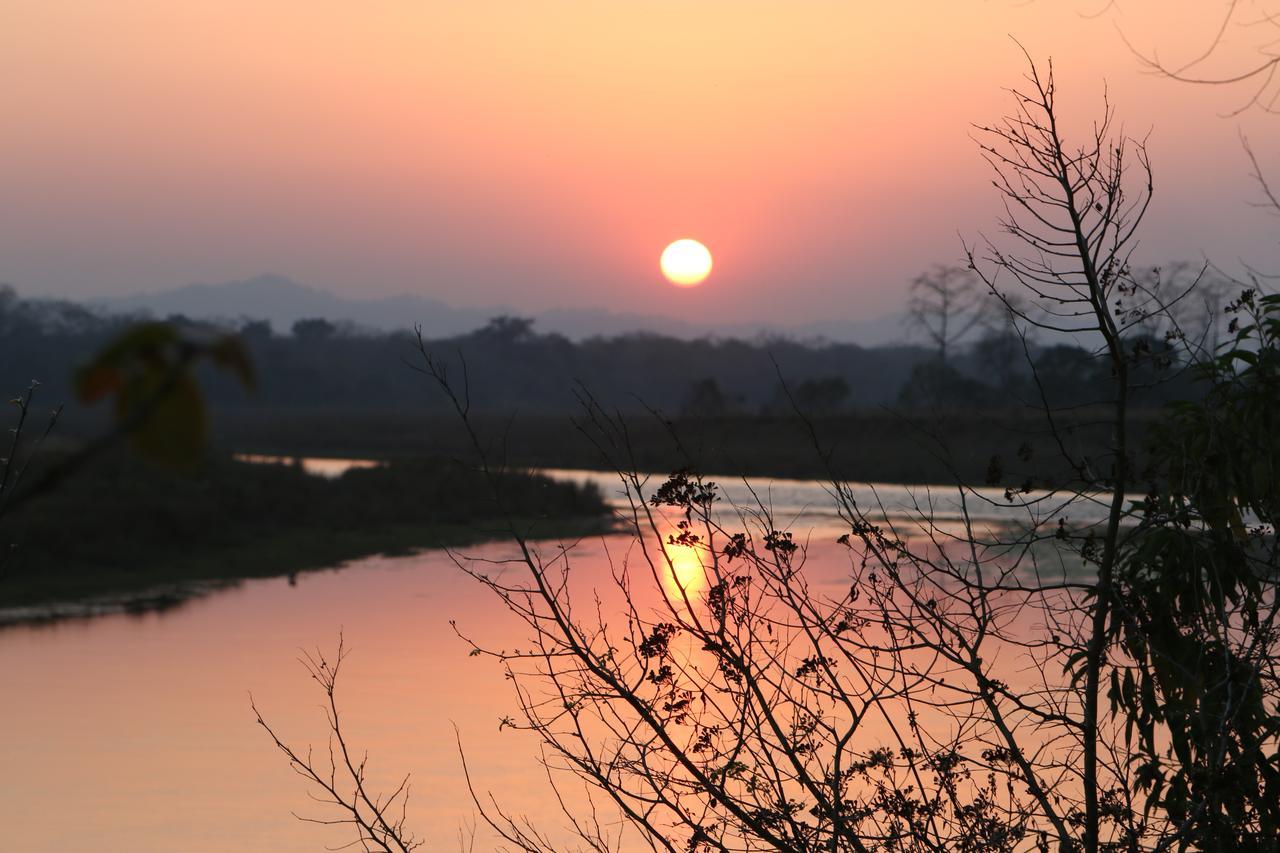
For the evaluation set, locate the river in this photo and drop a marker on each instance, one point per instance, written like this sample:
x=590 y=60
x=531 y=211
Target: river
x=134 y=732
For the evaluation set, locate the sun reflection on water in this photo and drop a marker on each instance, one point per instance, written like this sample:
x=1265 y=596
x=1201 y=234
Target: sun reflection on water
x=684 y=575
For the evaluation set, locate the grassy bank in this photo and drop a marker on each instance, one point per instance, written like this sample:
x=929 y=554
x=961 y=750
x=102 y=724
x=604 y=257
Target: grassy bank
x=122 y=526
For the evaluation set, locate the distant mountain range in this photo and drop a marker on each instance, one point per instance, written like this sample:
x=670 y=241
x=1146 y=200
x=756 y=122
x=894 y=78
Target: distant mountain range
x=282 y=301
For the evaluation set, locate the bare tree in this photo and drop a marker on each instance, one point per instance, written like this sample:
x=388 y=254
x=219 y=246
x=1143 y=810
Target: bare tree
x=945 y=305
x=1197 y=297
x=150 y=372
x=1214 y=64
x=19 y=454
x=1239 y=28
x=1075 y=211
x=376 y=820
x=966 y=685
x=1269 y=201
x=740 y=716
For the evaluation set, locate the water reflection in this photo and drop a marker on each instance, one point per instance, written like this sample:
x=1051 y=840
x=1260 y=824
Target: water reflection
x=808 y=505
x=319 y=466
x=684 y=576
x=130 y=732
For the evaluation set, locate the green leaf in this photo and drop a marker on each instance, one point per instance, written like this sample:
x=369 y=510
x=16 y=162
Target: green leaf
x=158 y=402
x=97 y=381
x=229 y=353
x=172 y=432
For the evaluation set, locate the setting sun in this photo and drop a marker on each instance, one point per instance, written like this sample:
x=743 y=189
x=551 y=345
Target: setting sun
x=714 y=591
x=686 y=263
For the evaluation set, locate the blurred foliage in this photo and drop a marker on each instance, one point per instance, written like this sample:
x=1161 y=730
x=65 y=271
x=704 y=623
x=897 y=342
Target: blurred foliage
x=97 y=519
x=159 y=406
x=149 y=370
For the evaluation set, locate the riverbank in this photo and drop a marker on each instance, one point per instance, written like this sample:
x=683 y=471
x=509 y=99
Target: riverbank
x=124 y=536
x=871 y=446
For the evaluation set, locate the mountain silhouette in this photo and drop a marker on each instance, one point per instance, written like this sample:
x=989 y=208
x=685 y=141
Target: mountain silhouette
x=282 y=301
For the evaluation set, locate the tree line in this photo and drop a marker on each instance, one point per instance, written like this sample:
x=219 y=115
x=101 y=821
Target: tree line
x=958 y=352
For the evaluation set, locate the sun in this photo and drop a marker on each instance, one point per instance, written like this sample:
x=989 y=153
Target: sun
x=686 y=263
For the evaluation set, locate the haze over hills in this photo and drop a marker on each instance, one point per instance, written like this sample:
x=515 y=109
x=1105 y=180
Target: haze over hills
x=282 y=301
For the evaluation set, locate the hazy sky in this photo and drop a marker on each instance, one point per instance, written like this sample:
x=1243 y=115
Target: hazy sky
x=541 y=154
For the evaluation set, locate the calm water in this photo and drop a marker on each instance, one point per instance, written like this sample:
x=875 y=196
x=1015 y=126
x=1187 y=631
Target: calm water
x=135 y=733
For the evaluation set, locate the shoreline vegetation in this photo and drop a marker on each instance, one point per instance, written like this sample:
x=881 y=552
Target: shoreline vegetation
x=938 y=447
x=126 y=536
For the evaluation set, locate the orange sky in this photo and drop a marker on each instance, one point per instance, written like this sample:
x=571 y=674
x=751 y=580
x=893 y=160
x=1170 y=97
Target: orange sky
x=541 y=154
